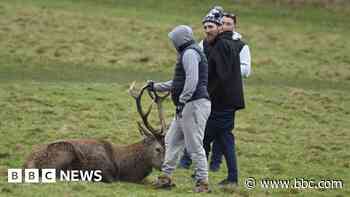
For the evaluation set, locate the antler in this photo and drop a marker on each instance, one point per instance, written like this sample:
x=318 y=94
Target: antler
x=159 y=101
x=146 y=128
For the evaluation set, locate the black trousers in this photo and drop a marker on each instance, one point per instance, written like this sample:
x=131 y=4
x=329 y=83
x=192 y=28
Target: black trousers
x=218 y=128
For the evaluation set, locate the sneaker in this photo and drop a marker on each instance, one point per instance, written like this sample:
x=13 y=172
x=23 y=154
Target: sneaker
x=163 y=182
x=202 y=187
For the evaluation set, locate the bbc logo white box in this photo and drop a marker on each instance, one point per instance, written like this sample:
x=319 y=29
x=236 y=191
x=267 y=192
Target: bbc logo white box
x=48 y=175
x=31 y=175
x=14 y=175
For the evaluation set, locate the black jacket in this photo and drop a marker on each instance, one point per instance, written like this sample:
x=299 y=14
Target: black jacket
x=224 y=73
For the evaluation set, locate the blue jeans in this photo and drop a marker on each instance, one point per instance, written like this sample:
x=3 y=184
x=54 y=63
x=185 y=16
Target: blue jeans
x=216 y=154
x=219 y=127
x=185 y=161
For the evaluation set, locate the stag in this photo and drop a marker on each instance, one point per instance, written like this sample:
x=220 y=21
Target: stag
x=131 y=163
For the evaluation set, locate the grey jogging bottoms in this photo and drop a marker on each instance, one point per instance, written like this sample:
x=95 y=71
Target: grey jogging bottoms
x=188 y=132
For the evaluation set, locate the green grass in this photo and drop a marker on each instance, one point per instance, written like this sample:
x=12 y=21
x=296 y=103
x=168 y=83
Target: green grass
x=65 y=67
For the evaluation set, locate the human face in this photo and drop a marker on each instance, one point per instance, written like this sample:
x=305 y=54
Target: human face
x=228 y=24
x=211 y=30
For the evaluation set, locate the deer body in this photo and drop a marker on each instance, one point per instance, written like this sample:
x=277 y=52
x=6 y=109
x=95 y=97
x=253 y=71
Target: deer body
x=130 y=163
x=125 y=163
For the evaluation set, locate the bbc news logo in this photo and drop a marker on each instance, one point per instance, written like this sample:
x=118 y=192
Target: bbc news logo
x=52 y=175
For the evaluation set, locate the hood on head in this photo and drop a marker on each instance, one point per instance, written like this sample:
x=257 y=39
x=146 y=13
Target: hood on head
x=181 y=35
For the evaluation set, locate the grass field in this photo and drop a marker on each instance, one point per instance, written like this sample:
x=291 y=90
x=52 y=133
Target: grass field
x=65 y=67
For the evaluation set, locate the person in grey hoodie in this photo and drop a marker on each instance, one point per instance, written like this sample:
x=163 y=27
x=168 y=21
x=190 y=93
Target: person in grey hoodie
x=190 y=96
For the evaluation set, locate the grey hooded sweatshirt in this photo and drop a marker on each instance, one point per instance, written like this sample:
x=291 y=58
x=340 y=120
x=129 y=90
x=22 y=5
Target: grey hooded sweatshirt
x=190 y=59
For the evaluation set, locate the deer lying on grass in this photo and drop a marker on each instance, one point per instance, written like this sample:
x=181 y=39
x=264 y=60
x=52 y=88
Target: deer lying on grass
x=130 y=163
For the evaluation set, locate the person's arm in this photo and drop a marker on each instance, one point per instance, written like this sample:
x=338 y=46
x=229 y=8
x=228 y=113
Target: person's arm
x=190 y=63
x=164 y=86
x=245 y=61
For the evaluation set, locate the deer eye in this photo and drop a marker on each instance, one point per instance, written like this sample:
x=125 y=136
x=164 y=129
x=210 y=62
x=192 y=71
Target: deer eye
x=159 y=150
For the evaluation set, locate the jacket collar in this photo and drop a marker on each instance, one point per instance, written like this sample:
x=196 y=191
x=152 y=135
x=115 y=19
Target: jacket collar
x=226 y=35
x=184 y=46
x=222 y=35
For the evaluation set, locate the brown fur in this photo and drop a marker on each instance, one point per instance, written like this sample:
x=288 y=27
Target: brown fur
x=126 y=163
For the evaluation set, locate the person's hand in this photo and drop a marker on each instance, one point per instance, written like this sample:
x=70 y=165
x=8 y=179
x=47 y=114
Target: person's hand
x=179 y=108
x=150 y=85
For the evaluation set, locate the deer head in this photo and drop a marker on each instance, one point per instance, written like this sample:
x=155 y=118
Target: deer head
x=154 y=137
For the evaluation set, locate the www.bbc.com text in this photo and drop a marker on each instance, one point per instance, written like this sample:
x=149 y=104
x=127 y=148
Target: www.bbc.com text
x=296 y=183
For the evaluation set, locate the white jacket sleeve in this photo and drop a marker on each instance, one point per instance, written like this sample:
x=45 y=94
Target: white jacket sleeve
x=244 y=56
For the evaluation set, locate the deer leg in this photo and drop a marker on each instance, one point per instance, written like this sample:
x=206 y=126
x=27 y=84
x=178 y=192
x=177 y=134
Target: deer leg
x=103 y=163
x=110 y=172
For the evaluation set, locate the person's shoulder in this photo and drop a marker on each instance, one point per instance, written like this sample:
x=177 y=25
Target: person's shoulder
x=191 y=53
x=238 y=38
x=222 y=41
x=239 y=42
x=235 y=38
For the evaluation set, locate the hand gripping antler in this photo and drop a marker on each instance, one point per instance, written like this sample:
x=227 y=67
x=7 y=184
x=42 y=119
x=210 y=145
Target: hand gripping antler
x=146 y=128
